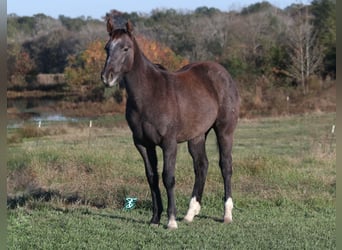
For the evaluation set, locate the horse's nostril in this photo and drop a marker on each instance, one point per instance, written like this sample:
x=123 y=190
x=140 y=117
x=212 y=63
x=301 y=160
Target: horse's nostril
x=111 y=76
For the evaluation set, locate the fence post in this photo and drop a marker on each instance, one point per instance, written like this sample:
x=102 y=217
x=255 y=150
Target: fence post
x=89 y=135
x=38 y=131
x=288 y=105
x=332 y=136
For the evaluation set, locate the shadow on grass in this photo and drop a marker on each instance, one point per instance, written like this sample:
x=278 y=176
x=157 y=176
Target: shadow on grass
x=42 y=195
x=206 y=217
x=38 y=194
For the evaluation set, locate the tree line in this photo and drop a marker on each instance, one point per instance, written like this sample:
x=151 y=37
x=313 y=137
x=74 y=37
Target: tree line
x=259 y=45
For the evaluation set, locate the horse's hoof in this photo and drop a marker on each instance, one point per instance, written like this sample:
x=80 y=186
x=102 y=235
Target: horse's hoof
x=227 y=220
x=228 y=208
x=172 y=223
x=194 y=209
x=187 y=220
x=172 y=226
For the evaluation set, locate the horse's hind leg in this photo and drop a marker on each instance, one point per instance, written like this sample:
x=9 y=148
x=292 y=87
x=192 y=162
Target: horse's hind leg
x=197 y=150
x=225 y=143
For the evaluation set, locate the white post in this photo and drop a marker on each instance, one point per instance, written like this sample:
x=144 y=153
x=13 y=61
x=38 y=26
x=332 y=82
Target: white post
x=332 y=136
x=90 y=126
x=38 y=131
x=288 y=104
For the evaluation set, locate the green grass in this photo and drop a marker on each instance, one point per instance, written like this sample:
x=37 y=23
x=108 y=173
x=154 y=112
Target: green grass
x=284 y=189
x=262 y=227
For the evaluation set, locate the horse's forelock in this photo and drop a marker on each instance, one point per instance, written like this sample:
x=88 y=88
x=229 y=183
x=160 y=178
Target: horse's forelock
x=119 y=32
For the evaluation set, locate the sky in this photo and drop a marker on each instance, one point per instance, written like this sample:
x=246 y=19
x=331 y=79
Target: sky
x=98 y=8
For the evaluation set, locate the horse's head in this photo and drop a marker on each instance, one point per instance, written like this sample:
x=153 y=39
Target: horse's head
x=120 y=53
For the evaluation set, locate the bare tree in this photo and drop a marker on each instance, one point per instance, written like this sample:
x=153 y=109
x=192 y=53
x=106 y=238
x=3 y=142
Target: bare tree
x=304 y=51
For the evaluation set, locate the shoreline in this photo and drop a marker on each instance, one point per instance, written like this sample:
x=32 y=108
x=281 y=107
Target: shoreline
x=36 y=94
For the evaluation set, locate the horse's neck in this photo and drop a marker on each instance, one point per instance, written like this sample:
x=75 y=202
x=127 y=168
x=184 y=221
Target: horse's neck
x=137 y=85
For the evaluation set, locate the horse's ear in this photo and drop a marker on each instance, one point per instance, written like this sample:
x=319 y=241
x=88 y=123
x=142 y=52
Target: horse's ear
x=129 y=26
x=110 y=25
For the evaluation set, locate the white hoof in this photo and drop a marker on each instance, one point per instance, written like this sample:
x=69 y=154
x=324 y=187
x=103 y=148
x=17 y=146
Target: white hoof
x=194 y=209
x=228 y=208
x=227 y=219
x=172 y=223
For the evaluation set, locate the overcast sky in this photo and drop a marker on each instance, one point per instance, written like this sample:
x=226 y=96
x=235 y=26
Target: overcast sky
x=98 y=8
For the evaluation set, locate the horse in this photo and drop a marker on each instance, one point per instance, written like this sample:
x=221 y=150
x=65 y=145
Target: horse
x=166 y=108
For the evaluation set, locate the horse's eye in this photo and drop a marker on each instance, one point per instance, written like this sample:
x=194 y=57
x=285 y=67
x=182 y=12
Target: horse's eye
x=125 y=49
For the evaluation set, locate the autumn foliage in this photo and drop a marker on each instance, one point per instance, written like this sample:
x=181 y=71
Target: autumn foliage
x=159 y=53
x=23 y=65
x=85 y=68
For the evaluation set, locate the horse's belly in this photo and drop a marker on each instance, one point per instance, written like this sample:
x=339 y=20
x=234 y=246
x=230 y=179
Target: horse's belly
x=183 y=125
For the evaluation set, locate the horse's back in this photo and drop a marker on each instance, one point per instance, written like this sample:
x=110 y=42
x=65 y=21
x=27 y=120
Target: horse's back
x=213 y=77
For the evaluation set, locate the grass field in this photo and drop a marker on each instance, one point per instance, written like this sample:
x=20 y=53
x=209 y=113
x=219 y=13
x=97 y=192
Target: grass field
x=66 y=184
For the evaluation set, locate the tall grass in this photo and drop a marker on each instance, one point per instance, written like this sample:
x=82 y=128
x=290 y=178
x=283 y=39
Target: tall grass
x=272 y=157
x=284 y=172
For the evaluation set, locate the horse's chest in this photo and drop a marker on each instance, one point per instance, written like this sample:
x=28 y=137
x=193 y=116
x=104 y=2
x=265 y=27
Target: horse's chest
x=145 y=128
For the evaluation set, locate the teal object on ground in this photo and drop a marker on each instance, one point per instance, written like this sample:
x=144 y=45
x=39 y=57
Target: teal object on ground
x=130 y=203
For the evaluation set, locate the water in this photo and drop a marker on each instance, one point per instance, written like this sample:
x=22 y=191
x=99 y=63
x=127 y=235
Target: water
x=34 y=110
x=53 y=118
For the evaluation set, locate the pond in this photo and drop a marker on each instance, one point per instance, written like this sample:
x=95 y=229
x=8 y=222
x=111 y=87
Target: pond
x=31 y=109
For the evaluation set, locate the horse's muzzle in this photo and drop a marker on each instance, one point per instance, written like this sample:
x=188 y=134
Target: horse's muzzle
x=109 y=79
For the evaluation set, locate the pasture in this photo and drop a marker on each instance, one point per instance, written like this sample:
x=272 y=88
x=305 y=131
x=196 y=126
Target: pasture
x=66 y=184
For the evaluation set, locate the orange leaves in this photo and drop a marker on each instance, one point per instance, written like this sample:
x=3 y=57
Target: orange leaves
x=24 y=64
x=94 y=54
x=159 y=53
x=85 y=68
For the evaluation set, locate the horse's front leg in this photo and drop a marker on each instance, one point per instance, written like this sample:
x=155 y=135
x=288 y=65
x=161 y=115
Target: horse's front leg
x=169 y=154
x=149 y=156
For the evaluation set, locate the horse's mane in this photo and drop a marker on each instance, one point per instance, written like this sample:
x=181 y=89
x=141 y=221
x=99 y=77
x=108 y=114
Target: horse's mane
x=159 y=66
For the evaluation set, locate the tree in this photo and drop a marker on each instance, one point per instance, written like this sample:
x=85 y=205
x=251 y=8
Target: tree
x=82 y=72
x=50 y=51
x=324 y=22
x=20 y=66
x=85 y=68
x=161 y=54
x=257 y=7
x=72 y=24
x=304 y=50
x=254 y=51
